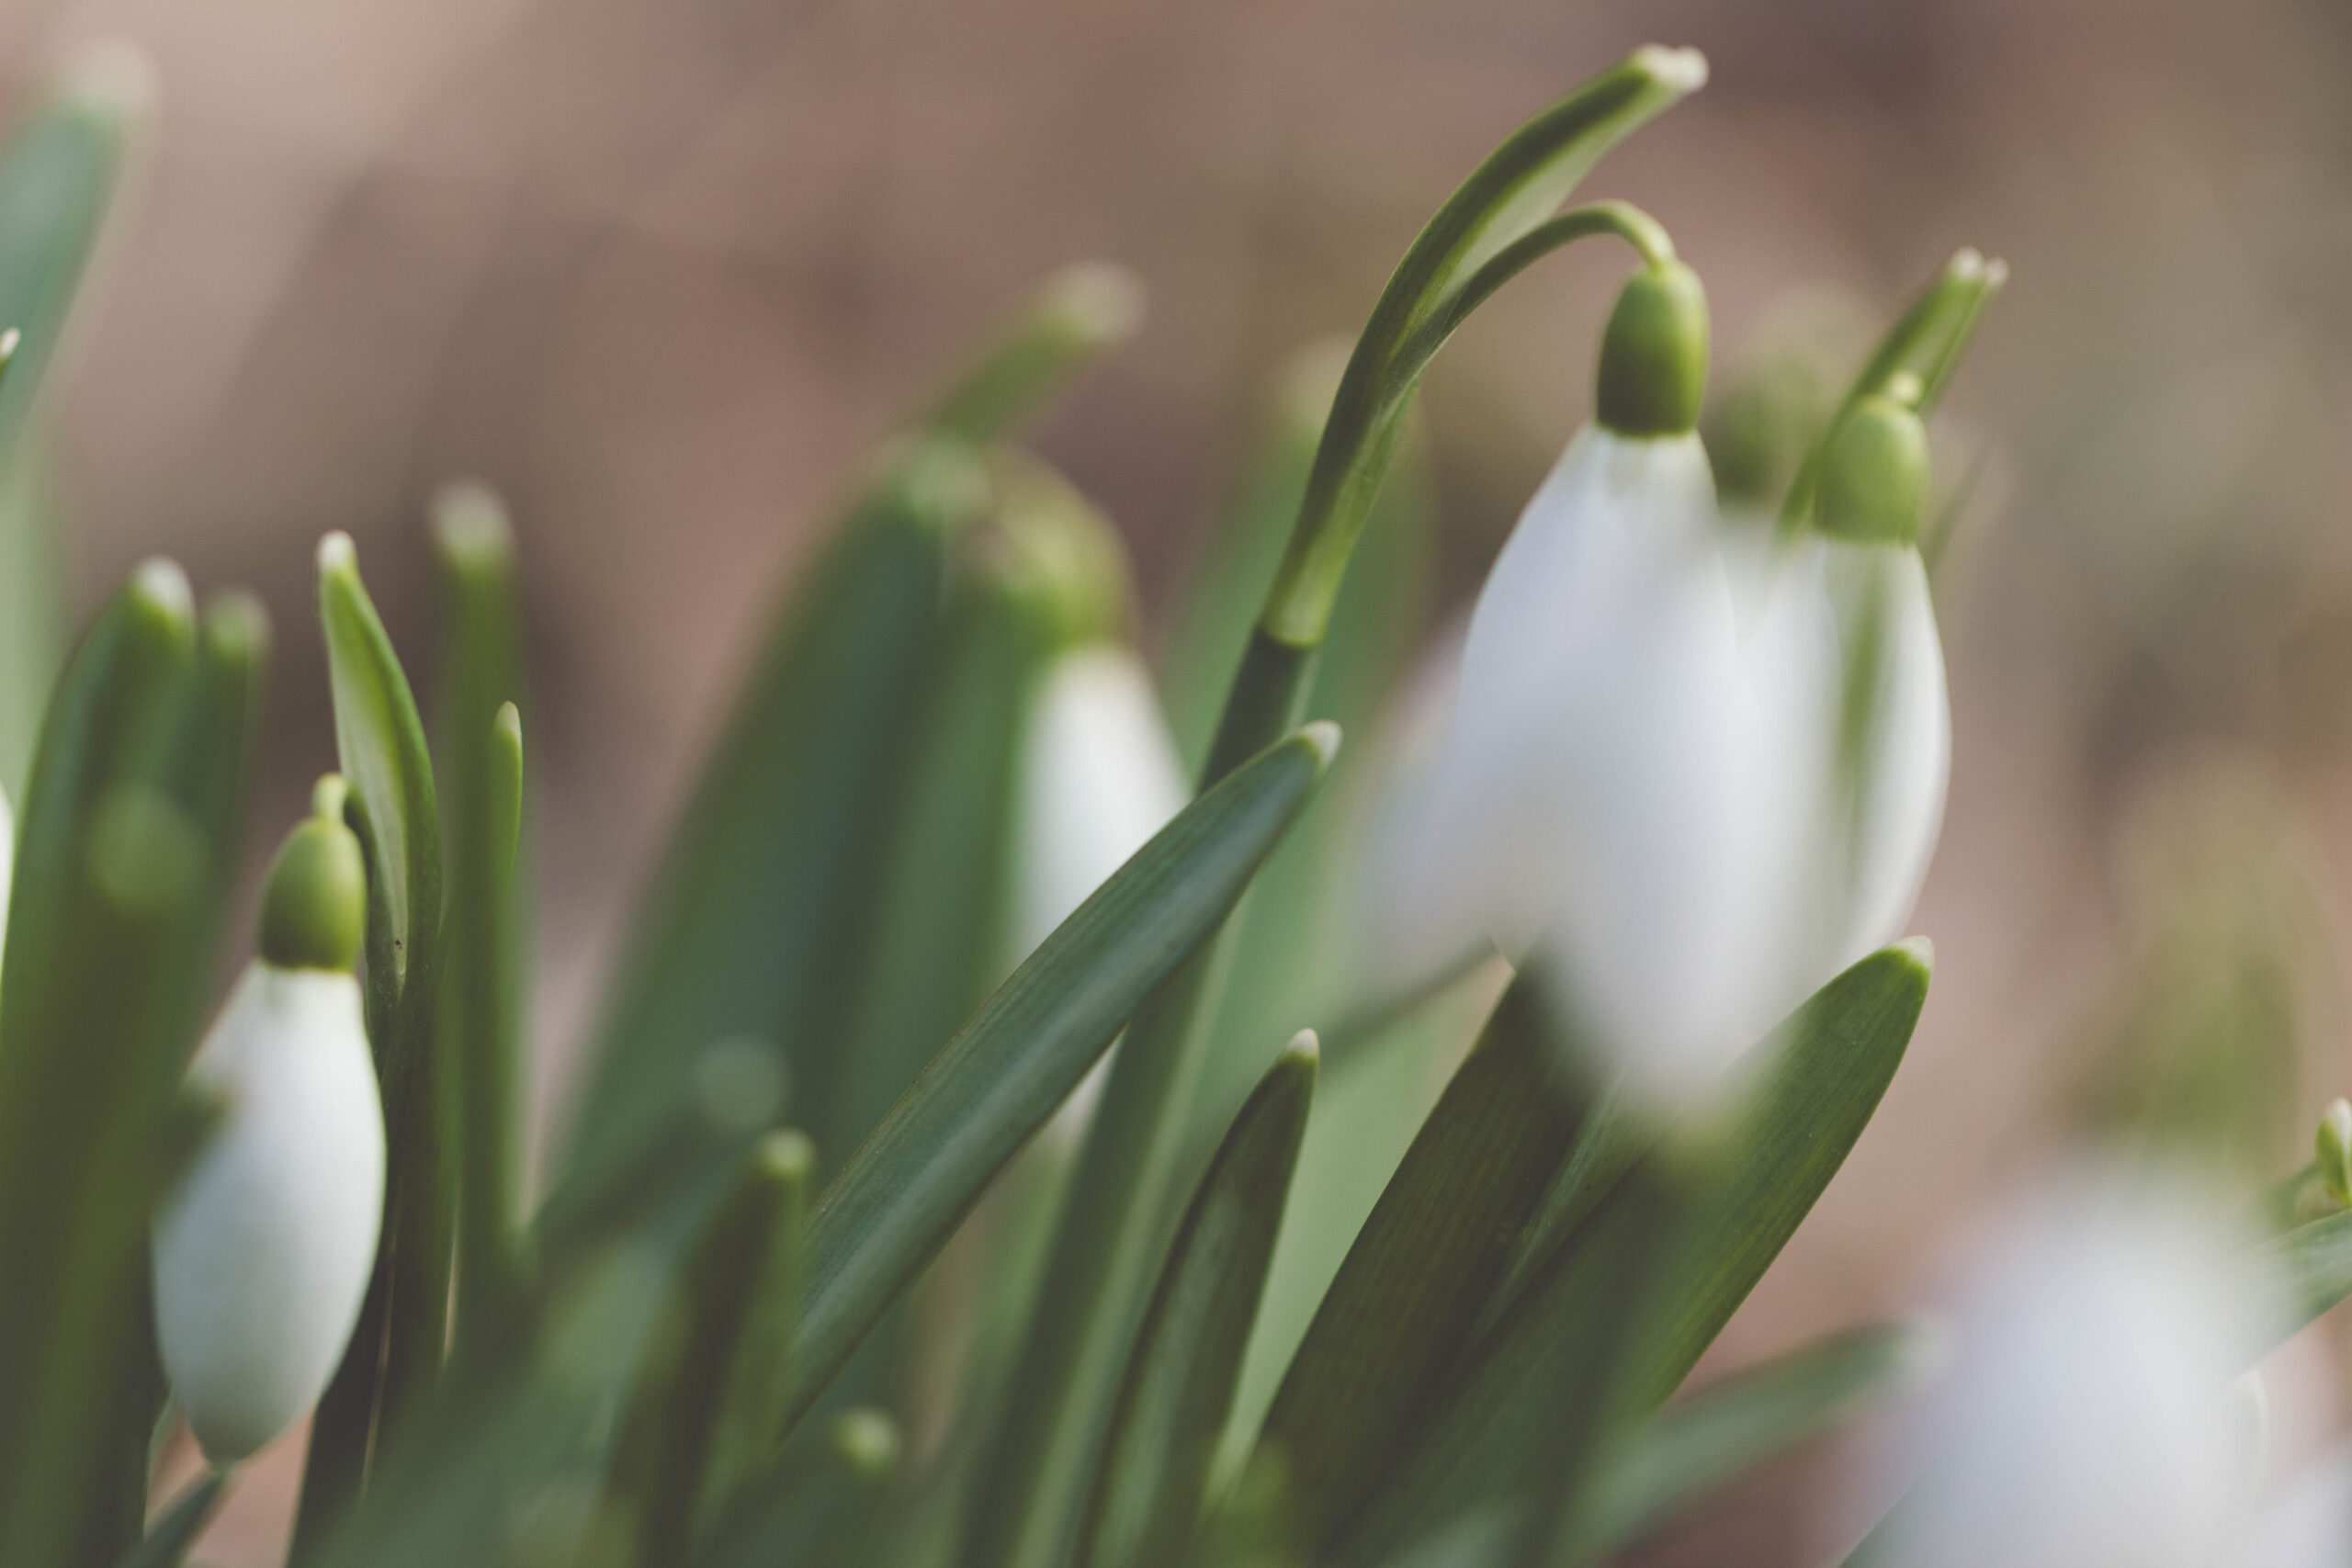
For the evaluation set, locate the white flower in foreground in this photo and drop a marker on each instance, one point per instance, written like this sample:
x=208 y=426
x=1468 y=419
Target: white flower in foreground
x=1098 y=777
x=1694 y=770
x=2307 y=1525
x=262 y=1252
x=2087 y=1421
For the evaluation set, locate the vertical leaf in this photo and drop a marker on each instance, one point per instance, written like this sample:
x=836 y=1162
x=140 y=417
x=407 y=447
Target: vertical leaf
x=1179 y=1382
x=167 y=1545
x=482 y=983
x=825 y=1508
x=379 y=740
x=1422 y=1269
x=58 y=176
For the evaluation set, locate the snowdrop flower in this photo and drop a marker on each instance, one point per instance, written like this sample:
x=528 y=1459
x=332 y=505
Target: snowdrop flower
x=1843 y=650
x=2087 y=1421
x=262 y=1254
x=2307 y=1525
x=1613 y=802
x=1099 y=774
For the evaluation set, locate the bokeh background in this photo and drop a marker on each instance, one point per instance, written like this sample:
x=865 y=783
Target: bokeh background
x=663 y=272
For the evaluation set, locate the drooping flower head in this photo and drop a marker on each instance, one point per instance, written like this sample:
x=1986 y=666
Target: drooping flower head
x=263 y=1251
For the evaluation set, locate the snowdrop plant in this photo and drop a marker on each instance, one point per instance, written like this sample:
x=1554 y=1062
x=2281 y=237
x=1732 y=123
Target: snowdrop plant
x=789 y=1293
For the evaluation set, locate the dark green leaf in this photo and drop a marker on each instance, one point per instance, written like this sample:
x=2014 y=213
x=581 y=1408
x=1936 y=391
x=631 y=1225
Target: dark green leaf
x=1422 y=1269
x=1013 y=1064
x=395 y=1353
x=1816 y=1080
x=1179 y=1382
x=482 y=983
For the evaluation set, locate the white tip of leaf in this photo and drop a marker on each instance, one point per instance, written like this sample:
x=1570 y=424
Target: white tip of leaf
x=162 y=584
x=1684 y=70
x=470 y=524
x=1324 y=735
x=1103 y=302
x=112 y=77
x=1304 y=1047
x=337 y=553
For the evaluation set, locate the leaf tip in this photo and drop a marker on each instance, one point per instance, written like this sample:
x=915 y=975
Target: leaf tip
x=159 y=587
x=471 y=527
x=1677 y=70
x=787 y=1157
x=112 y=78
x=1323 y=737
x=1303 y=1050
x=338 y=555
x=866 y=1441
x=1100 y=301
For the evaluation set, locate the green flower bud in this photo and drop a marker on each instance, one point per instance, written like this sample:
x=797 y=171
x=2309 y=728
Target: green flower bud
x=1874 y=474
x=1654 y=355
x=2334 y=1152
x=315 y=907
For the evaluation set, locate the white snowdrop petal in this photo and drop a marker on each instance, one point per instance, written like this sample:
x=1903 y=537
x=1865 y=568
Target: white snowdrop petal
x=2086 y=1421
x=262 y=1253
x=1100 y=775
x=1909 y=754
x=2308 y=1523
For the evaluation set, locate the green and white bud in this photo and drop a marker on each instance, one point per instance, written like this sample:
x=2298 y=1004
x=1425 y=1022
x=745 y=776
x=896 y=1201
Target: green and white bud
x=2334 y=1152
x=262 y=1252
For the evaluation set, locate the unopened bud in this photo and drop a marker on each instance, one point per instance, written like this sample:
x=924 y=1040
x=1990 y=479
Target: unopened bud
x=1654 y=355
x=1874 y=474
x=315 y=907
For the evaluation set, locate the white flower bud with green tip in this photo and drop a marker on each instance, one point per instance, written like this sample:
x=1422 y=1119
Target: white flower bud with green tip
x=2088 y=1419
x=263 y=1251
x=1610 y=804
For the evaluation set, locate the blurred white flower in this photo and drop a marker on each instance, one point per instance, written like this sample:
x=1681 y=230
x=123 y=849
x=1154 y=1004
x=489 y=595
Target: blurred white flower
x=2308 y=1523
x=2087 y=1421
x=263 y=1251
x=1099 y=774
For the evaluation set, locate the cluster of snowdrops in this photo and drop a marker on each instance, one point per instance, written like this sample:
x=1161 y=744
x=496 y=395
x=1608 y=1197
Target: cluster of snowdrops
x=943 y=1189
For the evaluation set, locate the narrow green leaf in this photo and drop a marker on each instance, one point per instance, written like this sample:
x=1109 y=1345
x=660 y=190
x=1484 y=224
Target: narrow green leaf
x=1422 y=1268
x=671 y=1424
x=1081 y=312
x=1816 y=1080
x=1517 y=188
x=95 y=1026
x=749 y=928
x=2314 y=1262
x=750 y=1424
x=404 y=1325
x=1179 y=1382
x=482 y=983
x=166 y=1545
x=1008 y=1068
x=1695 y=1449
x=58 y=177
x=824 y=1509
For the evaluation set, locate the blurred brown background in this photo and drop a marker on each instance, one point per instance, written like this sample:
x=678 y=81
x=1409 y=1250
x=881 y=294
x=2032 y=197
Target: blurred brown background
x=661 y=271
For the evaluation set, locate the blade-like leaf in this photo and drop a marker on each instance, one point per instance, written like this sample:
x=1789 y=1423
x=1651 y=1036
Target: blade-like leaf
x=1081 y=313
x=1179 y=1382
x=1422 y=1269
x=1817 y=1080
x=749 y=928
x=58 y=176
x=1013 y=1064
x=395 y=1353
x=2314 y=1263
x=1698 y=1447
x=483 y=981
x=166 y=1545
x=107 y=920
